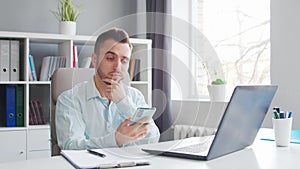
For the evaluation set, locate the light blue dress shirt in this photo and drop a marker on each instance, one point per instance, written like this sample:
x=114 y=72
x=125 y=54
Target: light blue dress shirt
x=85 y=120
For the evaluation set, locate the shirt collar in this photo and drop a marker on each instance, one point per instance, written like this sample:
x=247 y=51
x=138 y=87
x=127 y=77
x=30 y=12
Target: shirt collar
x=92 y=91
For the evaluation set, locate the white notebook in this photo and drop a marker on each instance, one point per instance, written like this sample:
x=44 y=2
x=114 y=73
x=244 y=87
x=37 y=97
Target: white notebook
x=84 y=159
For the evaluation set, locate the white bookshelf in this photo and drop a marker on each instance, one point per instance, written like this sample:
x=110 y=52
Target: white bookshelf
x=33 y=141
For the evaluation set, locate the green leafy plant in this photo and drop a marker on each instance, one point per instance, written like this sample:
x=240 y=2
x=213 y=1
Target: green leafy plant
x=218 y=82
x=66 y=11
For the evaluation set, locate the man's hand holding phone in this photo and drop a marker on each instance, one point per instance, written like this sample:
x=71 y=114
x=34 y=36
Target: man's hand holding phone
x=135 y=128
x=142 y=114
x=127 y=133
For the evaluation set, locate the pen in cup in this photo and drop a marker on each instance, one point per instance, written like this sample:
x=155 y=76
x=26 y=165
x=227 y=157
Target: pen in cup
x=96 y=153
x=277 y=109
x=277 y=114
x=290 y=114
x=282 y=115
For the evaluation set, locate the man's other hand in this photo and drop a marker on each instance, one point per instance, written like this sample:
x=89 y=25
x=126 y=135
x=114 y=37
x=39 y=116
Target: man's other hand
x=127 y=133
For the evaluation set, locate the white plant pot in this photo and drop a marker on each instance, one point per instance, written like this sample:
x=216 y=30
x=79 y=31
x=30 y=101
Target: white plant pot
x=67 y=27
x=217 y=92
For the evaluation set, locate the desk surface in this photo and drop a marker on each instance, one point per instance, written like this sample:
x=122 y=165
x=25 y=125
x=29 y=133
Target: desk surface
x=262 y=154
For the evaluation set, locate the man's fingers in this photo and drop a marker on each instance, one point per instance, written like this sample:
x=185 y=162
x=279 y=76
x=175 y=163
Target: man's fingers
x=126 y=133
x=127 y=122
x=141 y=135
x=108 y=81
x=145 y=120
x=118 y=81
x=113 y=81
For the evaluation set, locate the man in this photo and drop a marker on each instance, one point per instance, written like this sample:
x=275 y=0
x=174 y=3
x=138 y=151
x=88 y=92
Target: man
x=97 y=114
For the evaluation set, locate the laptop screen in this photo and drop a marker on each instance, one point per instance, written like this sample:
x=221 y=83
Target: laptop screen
x=242 y=119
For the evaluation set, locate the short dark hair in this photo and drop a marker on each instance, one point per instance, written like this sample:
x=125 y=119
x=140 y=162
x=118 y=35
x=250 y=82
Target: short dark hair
x=116 y=34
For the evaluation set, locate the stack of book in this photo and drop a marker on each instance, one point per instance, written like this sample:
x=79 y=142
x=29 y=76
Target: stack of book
x=49 y=65
x=36 y=113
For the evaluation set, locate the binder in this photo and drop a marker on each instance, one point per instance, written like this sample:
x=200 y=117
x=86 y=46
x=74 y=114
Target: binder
x=10 y=106
x=2 y=107
x=14 y=72
x=20 y=106
x=4 y=60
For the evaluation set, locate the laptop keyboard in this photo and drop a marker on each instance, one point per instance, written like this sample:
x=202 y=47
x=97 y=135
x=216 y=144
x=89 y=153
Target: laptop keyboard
x=195 y=148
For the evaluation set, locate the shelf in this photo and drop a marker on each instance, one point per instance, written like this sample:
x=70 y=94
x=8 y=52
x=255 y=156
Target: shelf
x=12 y=82
x=37 y=94
x=36 y=127
x=40 y=82
x=12 y=128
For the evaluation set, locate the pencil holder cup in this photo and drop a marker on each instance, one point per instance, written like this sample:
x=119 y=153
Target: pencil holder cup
x=282 y=131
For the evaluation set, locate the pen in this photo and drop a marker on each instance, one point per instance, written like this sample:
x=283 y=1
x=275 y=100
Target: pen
x=276 y=111
x=290 y=114
x=275 y=115
x=96 y=153
x=282 y=115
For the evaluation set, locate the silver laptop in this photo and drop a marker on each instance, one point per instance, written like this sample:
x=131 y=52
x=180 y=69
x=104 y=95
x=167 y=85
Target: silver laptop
x=238 y=127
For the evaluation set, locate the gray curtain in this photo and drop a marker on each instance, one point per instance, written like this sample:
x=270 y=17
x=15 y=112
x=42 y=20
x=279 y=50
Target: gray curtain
x=158 y=29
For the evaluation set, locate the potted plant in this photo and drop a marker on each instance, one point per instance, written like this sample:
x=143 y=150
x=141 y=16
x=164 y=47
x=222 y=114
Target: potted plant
x=217 y=89
x=67 y=16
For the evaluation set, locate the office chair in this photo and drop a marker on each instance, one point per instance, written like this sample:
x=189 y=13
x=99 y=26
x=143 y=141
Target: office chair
x=62 y=80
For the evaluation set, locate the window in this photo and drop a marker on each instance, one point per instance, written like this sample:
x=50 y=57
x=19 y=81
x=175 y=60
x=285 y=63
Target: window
x=239 y=33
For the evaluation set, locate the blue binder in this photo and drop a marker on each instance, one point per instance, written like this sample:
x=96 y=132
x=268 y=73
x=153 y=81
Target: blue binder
x=10 y=106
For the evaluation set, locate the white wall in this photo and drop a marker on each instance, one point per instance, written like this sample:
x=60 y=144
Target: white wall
x=285 y=56
x=35 y=15
x=197 y=113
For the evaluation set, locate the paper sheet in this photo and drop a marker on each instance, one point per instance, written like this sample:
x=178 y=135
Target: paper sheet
x=84 y=159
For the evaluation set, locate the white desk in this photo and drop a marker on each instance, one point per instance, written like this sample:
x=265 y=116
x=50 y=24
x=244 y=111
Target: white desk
x=262 y=155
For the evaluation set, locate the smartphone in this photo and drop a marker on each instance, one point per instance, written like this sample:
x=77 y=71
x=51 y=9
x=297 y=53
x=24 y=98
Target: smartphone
x=142 y=112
